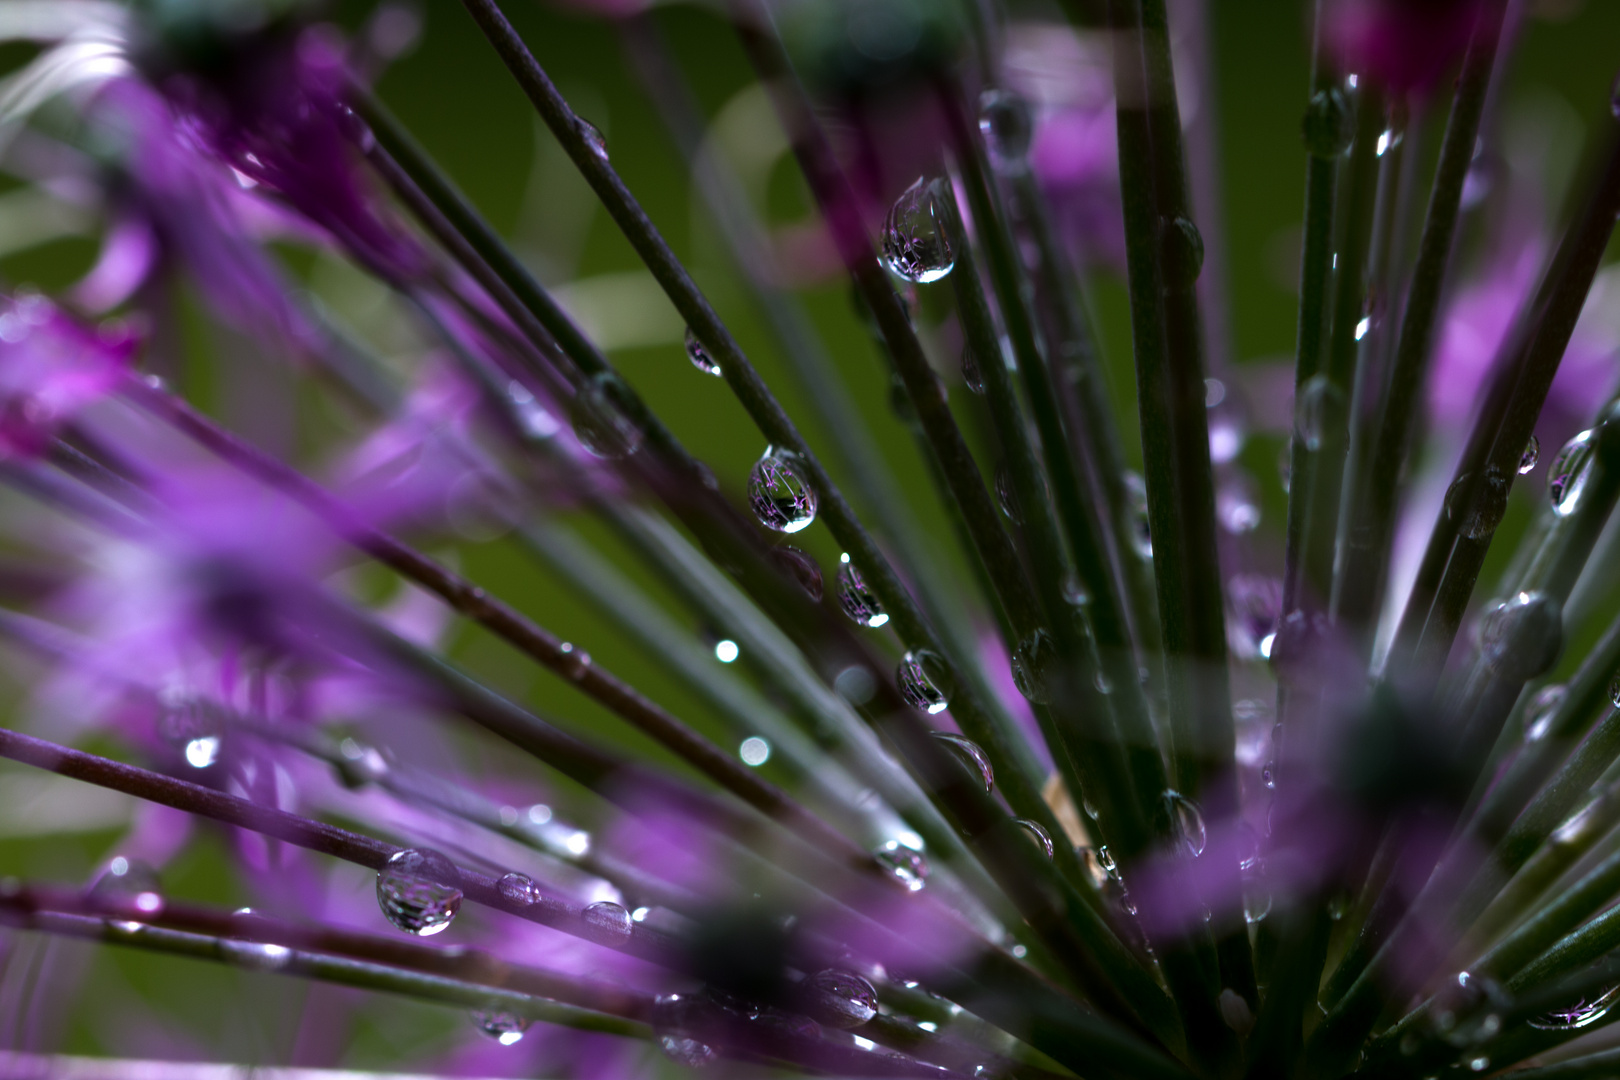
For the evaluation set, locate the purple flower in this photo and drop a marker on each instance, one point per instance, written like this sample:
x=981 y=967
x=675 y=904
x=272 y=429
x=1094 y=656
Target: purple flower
x=51 y=368
x=1405 y=44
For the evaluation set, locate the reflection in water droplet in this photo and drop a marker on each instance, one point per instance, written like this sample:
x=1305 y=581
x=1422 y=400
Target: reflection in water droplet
x=600 y=424
x=699 y=356
x=1032 y=666
x=915 y=243
x=1327 y=126
x=1521 y=638
x=1042 y=838
x=840 y=999
x=607 y=923
x=906 y=866
x=1008 y=126
x=1007 y=496
x=1188 y=821
x=255 y=955
x=519 y=889
x=1538 y=715
x=1531 y=455
x=801 y=568
x=1567 y=476
x=418 y=890
x=1582 y=1014
x=857 y=598
x=1316 y=397
x=504 y=1027
x=1614 y=690
x=593 y=137
x=780 y=495
x=1478 y=517
x=574 y=661
x=1136 y=506
x=924 y=681
x=970 y=754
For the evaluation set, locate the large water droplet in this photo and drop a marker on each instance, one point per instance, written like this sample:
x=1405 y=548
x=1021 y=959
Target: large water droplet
x=419 y=891
x=1531 y=455
x=1038 y=834
x=593 y=137
x=1582 y=1014
x=857 y=598
x=600 y=424
x=699 y=356
x=520 y=889
x=1521 y=638
x=1579 y=828
x=916 y=244
x=840 y=999
x=801 y=568
x=1329 y=123
x=779 y=493
x=1008 y=126
x=1188 y=821
x=607 y=923
x=1538 y=715
x=505 y=1028
x=1136 y=506
x=969 y=753
x=906 y=866
x=924 y=681
x=1032 y=666
x=1477 y=518
x=1007 y=496
x=1567 y=476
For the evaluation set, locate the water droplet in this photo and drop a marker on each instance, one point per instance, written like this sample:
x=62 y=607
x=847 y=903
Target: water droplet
x=1268 y=775
x=1256 y=904
x=1521 y=638
x=505 y=1028
x=1099 y=865
x=1582 y=1014
x=418 y=890
x=1539 y=714
x=968 y=752
x=520 y=889
x=1614 y=690
x=1136 y=505
x=202 y=752
x=359 y=765
x=857 y=598
x=1479 y=1064
x=1008 y=126
x=1467 y=1011
x=1007 y=496
x=255 y=955
x=599 y=421
x=132 y=882
x=801 y=568
x=1579 y=828
x=1316 y=397
x=593 y=137
x=1614 y=97
x=574 y=661
x=906 y=866
x=699 y=356
x=1182 y=246
x=1188 y=821
x=972 y=377
x=916 y=245
x=1329 y=123
x=1531 y=455
x=1042 y=838
x=607 y=923
x=1567 y=476
x=1032 y=665
x=840 y=999
x=754 y=751
x=924 y=681
x=781 y=497
x=1479 y=518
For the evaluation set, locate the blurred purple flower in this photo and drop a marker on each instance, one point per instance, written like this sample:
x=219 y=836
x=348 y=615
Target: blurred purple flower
x=51 y=367
x=1405 y=44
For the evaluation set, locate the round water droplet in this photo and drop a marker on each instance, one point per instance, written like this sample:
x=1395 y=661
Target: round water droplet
x=916 y=245
x=129 y=882
x=1188 y=821
x=1583 y=1013
x=1531 y=455
x=1521 y=638
x=520 y=889
x=1042 y=838
x=255 y=955
x=1033 y=664
x=840 y=999
x=1477 y=517
x=1136 y=507
x=593 y=137
x=607 y=923
x=1567 y=476
x=360 y=765
x=972 y=377
x=699 y=356
x=1316 y=399
x=857 y=598
x=906 y=866
x=574 y=661
x=781 y=497
x=1329 y=123
x=419 y=891
x=1182 y=246
x=599 y=421
x=970 y=755
x=801 y=568
x=1007 y=496
x=505 y=1028
x=924 y=681
x=1008 y=126
x=1539 y=714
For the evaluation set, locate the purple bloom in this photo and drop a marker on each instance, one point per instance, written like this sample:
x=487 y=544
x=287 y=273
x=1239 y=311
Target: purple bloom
x=1405 y=44
x=51 y=368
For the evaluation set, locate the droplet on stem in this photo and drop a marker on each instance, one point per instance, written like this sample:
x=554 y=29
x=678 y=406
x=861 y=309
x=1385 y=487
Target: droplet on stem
x=780 y=495
x=419 y=891
x=1008 y=126
x=1538 y=716
x=1328 y=124
x=1037 y=833
x=1481 y=515
x=1188 y=821
x=856 y=597
x=1522 y=637
x=801 y=568
x=599 y=423
x=840 y=999
x=593 y=137
x=699 y=356
x=1567 y=476
x=924 y=681
x=970 y=755
x=1531 y=455
x=916 y=245
x=905 y=865
x=1032 y=666
x=1136 y=506
x=607 y=923
x=519 y=889
x=505 y=1028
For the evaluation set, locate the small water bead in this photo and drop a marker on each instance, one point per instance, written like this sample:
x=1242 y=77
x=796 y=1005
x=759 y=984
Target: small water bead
x=1522 y=638
x=1037 y=833
x=916 y=245
x=255 y=955
x=1136 y=506
x=840 y=999
x=1032 y=666
x=1188 y=821
x=1567 y=476
x=699 y=356
x=969 y=753
x=856 y=597
x=855 y=684
x=1614 y=690
x=1467 y=1009
x=972 y=377
x=593 y=137
x=1481 y=515
x=1579 y=827
x=924 y=681
x=1531 y=455
x=574 y=661
x=419 y=891
x=1182 y=248
x=505 y=1028
x=607 y=923
x=600 y=423
x=1316 y=398
x=780 y=495
x=1538 y=716
x=1008 y=126
x=754 y=751
x=906 y=866
x=1007 y=496
x=801 y=568
x=1329 y=123
x=1579 y=1015
x=687 y=1051
x=519 y=889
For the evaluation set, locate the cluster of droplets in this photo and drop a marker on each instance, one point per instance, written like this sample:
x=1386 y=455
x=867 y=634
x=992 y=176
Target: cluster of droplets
x=419 y=891
x=778 y=492
x=916 y=242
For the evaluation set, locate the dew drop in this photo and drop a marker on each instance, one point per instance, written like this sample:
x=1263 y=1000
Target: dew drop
x=1316 y=398
x=801 y=568
x=1006 y=496
x=1543 y=707
x=968 y=752
x=699 y=356
x=1328 y=124
x=1479 y=518
x=687 y=1051
x=573 y=660
x=856 y=597
x=418 y=891
x=1099 y=865
x=593 y=137
x=781 y=497
x=1521 y=638
x=255 y=955
x=1032 y=665
x=906 y=866
x=1038 y=834
x=505 y=1028
x=520 y=889
x=1531 y=455
x=1188 y=821
x=360 y=765
x=599 y=421
x=607 y=923
x=1579 y=1015
x=1008 y=126
x=1136 y=505
x=839 y=999
x=1567 y=476
x=916 y=245
x=924 y=681
x=972 y=377
x=1579 y=827
x=1182 y=246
